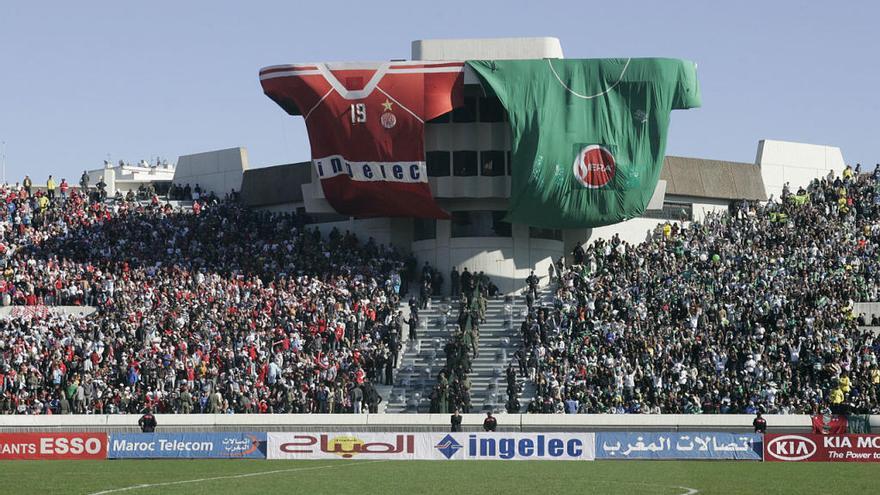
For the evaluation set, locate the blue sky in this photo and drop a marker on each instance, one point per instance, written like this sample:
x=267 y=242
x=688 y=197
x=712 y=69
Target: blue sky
x=83 y=80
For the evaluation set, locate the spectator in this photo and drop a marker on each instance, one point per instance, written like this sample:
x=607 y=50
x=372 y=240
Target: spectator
x=84 y=183
x=50 y=188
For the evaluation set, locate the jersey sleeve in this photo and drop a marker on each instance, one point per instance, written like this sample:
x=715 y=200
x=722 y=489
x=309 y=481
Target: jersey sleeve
x=494 y=85
x=296 y=94
x=687 y=90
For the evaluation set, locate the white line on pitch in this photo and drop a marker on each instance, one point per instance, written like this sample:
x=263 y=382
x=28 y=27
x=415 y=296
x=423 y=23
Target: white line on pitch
x=245 y=475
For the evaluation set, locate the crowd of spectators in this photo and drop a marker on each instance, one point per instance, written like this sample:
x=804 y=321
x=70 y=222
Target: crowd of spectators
x=213 y=308
x=748 y=310
x=217 y=308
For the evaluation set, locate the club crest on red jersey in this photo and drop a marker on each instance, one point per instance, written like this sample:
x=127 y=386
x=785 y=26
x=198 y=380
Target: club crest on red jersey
x=388 y=120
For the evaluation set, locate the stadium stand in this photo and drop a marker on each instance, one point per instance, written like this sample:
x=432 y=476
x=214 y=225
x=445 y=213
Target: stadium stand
x=212 y=308
x=219 y=308
x=747 y=311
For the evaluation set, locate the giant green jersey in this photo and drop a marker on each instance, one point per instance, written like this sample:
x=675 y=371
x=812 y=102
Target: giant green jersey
x=589 y=136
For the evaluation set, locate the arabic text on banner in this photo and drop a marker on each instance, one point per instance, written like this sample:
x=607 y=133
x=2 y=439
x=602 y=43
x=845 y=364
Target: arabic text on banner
x=437 y=446
x=232 y=445
x=687 y=445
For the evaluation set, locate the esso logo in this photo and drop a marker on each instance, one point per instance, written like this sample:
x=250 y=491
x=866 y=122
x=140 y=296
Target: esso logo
x=791 y=448
x=594 y=166
x=72 y=446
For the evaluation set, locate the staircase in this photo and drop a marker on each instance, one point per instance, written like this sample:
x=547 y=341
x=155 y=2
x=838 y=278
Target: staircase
x=423 y=360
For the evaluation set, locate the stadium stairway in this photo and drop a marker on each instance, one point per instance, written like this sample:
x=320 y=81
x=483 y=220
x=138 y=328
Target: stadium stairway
x=421 y=361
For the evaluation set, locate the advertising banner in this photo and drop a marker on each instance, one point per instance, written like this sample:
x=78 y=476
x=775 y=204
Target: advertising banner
x=697 y=445
x=821 y=448
x=47 y=446
x=231 y=445
x=438 y=446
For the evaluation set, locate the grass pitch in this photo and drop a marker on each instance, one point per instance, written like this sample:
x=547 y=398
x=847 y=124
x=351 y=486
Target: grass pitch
x=137 y=477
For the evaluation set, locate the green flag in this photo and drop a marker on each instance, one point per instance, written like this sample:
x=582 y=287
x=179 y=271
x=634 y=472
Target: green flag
x=589 y=136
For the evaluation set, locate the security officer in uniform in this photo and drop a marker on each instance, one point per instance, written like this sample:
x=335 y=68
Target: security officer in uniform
x=147 y=422
x=455 y=421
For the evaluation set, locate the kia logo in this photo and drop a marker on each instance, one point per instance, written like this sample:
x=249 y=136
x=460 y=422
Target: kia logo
x=791 y=448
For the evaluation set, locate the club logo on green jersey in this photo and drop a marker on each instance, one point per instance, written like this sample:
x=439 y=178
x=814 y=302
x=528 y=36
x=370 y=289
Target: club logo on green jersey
x=594 y=166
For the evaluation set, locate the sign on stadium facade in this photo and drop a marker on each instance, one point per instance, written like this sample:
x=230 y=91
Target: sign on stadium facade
x=436 y=446
x=52 y=446
x=821 y=448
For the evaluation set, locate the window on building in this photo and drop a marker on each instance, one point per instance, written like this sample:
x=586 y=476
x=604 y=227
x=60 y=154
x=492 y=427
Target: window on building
x=464 y=163
x=467 y=112
x=540 y=233
x=424 y=229
x=491 y=163
x=479 y=224
x=509 y=164
x=679 y=212
x=437 y=163
x=491 y=110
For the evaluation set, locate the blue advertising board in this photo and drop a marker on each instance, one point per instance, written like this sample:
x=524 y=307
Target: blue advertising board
x=231 y=445
x=686 y=445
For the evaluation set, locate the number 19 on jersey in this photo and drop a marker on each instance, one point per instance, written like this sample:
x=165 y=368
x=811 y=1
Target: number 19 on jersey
x=358 y=113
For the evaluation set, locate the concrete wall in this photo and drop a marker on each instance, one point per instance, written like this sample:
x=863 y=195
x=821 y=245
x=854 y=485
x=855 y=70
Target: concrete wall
x=487 y=48
x=279 y=185
x=506 y=260
x=476 y=136
x=411 y=422
x=795 y=163
x=868 y=308
x=95 y=176
x=633 y=231
x=122 y=178
x=219 y=171
x=702 y=206
x=380 y=229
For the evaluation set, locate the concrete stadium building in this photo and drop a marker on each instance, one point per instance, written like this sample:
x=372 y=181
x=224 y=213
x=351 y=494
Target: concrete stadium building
x=468 y=164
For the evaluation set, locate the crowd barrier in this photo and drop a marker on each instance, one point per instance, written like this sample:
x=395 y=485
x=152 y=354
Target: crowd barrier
x=119 y=423
x=587 y=446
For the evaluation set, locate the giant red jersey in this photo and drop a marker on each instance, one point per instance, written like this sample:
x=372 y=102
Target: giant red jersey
x=366 y=125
